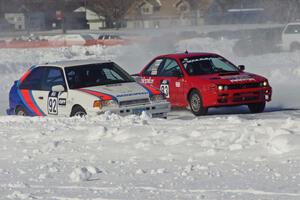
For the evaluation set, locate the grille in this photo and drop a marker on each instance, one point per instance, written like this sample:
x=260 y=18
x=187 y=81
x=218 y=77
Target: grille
x=134 y=102
x=243 y=86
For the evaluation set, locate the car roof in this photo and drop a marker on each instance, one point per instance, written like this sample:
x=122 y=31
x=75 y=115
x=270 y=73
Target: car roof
x=293 y=23
x=187 y=54
x=71 y=63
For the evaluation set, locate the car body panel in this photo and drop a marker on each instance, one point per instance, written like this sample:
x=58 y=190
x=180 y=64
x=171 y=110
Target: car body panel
x=131 y=97
x=244 y=87
x=291 y=36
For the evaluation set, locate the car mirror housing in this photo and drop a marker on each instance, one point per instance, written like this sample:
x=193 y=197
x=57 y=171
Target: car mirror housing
x=58 y=88
x=242 y=67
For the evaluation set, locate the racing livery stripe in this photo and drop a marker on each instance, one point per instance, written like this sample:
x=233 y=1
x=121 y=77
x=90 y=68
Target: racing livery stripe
x=35 y=104
x=27 y=98
x=151 y=90
x=26 y=74
x=101 y=95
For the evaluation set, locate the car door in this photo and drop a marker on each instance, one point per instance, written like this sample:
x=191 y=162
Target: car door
x=55 y=103
x=171 y=80
x=150 y=74
x=165 y=74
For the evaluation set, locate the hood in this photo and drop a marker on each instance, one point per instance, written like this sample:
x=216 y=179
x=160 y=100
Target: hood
x=234 y=78
x=120 y=92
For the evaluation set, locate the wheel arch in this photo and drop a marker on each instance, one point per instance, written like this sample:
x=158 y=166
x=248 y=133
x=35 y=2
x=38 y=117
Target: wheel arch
x=190 y=91
x=76 y=106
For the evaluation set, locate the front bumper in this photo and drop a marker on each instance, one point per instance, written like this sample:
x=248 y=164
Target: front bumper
x=241 y=97
x=159 y=109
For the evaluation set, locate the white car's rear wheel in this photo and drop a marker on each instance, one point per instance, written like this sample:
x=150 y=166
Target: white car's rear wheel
x=20 y=111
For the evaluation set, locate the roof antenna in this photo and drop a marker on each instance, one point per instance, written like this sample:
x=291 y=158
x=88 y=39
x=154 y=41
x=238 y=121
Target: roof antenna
x=186 y=51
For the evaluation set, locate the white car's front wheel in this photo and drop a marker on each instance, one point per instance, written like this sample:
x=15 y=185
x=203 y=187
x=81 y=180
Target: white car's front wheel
x=78 y=111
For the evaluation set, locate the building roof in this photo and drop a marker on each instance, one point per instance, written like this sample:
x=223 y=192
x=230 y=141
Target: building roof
x=167 y=8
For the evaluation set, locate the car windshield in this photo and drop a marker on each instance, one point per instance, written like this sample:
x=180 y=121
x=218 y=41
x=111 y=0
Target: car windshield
x=95 y=75
x=207 y=65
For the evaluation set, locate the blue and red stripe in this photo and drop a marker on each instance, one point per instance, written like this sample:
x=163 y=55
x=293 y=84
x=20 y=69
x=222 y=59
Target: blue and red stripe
x=29 y=102
x=100 y=95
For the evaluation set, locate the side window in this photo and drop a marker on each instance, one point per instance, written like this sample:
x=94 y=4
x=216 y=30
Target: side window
x=170 y=68
x=54 y=77
x=153 y=68
x=34 y=79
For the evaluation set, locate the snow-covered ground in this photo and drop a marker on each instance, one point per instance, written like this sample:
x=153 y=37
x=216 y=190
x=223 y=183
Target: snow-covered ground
x=228 y=154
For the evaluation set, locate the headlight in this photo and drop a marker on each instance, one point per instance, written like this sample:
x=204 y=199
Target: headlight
x=264 y=84
x=108 y=103
x=157 y=97
x=222 y=87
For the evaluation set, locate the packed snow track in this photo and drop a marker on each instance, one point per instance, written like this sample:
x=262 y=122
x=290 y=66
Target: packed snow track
x=228 y=154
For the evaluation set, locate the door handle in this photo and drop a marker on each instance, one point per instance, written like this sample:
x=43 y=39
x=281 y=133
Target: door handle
x=41 y=98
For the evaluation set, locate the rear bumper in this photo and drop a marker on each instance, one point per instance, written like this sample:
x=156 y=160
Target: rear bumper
x=10 y=111
x=159 y=109
x=241 y=97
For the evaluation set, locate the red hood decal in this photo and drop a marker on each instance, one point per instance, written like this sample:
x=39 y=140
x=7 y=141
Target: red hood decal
x=239 y=78
x=151 y=89
x=100 y=95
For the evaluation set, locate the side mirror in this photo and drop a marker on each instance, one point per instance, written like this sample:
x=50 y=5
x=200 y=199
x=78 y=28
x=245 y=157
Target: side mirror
x=241 y=67
x=58 y=88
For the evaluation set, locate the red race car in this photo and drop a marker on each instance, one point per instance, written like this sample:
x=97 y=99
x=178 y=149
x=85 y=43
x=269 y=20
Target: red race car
x=205 y=80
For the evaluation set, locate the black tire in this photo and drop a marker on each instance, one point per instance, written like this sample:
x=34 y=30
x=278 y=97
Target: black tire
x=257 y=107
x=20 y=111
x=295 y=47
x=78 y=111
x=196 y=105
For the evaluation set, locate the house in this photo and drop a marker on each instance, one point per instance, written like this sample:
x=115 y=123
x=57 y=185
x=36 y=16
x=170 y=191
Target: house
x=94 y=20
x=165 y=13
x=16 y=19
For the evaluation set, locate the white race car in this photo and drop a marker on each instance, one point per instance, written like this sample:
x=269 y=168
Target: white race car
x=76 y=88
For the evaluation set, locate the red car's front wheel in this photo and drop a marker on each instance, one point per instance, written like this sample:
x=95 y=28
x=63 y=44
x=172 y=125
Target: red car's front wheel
x=196 y=104
x=257 y=107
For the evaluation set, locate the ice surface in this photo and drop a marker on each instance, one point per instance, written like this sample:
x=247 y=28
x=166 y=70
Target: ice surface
x=228 y=154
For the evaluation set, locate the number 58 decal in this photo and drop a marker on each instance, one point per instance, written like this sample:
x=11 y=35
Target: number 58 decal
x=52 y=103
